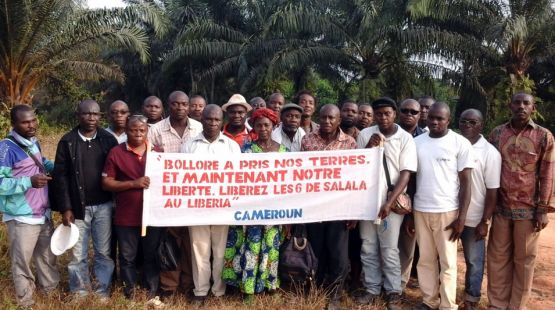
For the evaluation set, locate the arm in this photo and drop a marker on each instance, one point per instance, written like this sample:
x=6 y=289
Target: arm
x=464 y=201
x=62 y=179
x=489 y=209
x=112 y=185
x=545 y=184
x=402 y=182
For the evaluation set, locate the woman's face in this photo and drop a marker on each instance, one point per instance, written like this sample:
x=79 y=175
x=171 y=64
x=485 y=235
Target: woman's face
x=263 y=128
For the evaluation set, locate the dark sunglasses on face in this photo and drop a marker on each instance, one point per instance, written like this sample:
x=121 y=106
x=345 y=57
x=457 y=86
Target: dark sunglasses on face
x=469 y=122
x=409 y=111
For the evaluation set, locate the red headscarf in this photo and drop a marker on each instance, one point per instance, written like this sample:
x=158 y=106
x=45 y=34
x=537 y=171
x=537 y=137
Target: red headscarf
x=267 y=113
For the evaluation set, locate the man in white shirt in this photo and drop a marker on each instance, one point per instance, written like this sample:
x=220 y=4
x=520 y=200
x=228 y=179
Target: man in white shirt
x=486 y=177
x=445 y=162
x=209 y=239
x=380 y=253
x=289 y=132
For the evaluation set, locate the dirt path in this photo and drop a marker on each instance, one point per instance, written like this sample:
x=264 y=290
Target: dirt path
x=543 y=290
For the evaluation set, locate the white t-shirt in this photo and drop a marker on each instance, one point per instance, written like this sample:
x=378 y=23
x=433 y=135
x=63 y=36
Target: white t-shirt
x=399 y=150
x=437 y=179
x=222 y=145
x=281 y=137
x=485 y=175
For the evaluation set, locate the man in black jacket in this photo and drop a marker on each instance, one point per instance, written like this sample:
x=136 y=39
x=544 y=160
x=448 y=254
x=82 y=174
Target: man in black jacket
x=79 y=162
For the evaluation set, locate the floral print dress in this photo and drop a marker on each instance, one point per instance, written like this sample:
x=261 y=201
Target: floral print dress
x=252 y=252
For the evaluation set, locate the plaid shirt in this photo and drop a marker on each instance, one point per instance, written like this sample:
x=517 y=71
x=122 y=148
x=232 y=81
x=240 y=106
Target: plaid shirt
x=528 y=163
x=314 y=142
x=162 y=135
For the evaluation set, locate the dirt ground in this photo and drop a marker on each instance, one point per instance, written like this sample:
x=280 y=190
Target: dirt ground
x=543 y=291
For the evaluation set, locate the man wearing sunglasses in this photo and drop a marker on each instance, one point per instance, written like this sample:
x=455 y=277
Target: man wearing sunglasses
x=409 y=117
x=483 y=199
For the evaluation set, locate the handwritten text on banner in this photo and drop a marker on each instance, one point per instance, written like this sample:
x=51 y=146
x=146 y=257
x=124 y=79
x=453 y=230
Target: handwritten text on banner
x=264 y=188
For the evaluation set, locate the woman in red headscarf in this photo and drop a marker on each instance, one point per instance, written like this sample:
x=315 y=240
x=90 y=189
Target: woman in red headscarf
x=252 y=252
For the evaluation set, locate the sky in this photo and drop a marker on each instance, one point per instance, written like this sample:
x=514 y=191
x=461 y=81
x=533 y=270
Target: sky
x=104 y=3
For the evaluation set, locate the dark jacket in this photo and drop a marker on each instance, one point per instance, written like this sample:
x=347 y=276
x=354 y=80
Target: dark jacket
x=69 y=184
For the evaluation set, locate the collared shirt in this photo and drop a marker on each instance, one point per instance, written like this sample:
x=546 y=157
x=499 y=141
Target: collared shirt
x=222 y=145
x=399 y=152
x=485 y=175
x=241 y=138
x=527 y=170
x=86 y=139
x=314 y=142
x=314 y=127
x=124 y=164
x=165 y=137
x=281 y=137
x=355 y=133
x=121 y=138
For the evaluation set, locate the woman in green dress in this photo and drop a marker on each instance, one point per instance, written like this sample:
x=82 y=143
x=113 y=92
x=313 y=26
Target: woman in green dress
x=252 y=252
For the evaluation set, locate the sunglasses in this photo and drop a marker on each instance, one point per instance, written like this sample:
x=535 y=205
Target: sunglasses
x=469 y=122
x=409 y=111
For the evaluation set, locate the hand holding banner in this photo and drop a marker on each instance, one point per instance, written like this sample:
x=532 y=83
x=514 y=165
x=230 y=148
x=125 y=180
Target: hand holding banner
x=262 y=188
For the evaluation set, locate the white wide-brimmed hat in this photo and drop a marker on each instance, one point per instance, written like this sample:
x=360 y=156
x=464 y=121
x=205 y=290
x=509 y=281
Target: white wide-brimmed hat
x=64 y=238
x=237 y=99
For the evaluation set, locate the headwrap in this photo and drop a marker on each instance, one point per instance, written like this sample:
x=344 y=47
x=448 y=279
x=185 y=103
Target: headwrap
x=267 y=113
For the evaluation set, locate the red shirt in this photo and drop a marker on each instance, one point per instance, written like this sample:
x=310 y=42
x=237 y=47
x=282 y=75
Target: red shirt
x=242 y=137
x=123 y=164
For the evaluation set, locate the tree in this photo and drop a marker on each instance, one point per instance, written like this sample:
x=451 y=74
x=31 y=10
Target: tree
x=42 y=39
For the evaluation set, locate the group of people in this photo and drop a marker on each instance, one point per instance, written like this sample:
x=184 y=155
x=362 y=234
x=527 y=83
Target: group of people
x=462 y=186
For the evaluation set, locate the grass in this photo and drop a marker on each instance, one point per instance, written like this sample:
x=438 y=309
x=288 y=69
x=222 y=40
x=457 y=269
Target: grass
x=285 y=299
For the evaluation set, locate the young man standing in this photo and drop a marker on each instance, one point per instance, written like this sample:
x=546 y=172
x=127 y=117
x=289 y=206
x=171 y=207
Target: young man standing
x=380 y=253
x=25 y=208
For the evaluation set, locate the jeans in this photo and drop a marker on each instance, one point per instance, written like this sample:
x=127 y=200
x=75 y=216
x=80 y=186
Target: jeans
x=381 y=240
x=98 y=225
x=31 y=243
x=474 y=256
x=128 y=241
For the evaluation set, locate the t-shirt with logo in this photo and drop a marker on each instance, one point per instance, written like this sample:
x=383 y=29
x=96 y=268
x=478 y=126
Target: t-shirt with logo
x=439 y=162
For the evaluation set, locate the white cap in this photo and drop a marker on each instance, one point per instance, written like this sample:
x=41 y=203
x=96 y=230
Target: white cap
x=64 y=238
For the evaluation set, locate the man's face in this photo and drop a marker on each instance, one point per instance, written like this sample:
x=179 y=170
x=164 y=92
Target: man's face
x=425 y=105
x=25 y=124
x=236 y=115
x=196 y=106
x=259 y=104
x=308 y=104
x=291 y=120
x=349 y=114
x=470 y=125
x=385 y=117
x=137 y=133
x=365 y=116
x=522 y=106
x=118 y=115
x=212 y=123
x=179 y=107
x=153 y=110
x=329 y=121
x=409 y=114
x=88 y=116
x=275 y=103
x=438 y=120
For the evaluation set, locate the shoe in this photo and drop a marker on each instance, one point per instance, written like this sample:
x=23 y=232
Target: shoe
x=366 y=298
x=155 y=303
x=394 y=301
x=469 y=305
x=334 y=304
x=422 y=306
x=198 y=302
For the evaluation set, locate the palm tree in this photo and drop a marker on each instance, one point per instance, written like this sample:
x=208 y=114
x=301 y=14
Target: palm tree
x=44 y=38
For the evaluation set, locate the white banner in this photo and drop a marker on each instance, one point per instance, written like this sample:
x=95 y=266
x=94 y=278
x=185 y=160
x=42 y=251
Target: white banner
x=263 y=188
